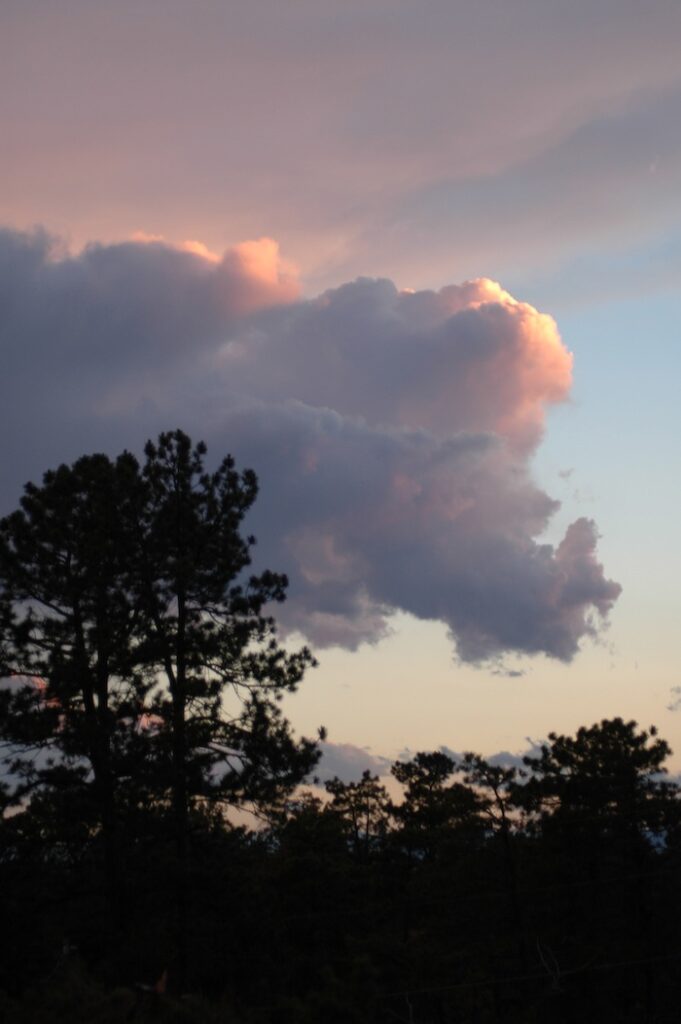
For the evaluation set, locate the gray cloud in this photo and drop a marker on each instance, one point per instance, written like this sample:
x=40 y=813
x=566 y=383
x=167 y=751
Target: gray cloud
x=348 y=762
x=391 y=431
x=503 y=758
x=605 y=186
x=675 y=699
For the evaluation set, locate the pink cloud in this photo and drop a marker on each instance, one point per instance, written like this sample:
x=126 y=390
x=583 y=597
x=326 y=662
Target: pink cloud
x=468 y=357
x=252 y=275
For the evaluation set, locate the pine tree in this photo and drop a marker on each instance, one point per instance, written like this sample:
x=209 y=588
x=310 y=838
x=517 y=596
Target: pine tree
x=220 y=736
x=145 y=670
x=68 y=614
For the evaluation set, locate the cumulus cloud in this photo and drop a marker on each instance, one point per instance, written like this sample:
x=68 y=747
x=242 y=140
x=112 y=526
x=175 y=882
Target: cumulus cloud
x=464 y=359
x=391 y=430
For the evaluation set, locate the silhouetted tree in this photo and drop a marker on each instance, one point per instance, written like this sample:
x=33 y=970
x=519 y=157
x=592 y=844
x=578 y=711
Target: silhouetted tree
x=434 y=802
x=601 y=807
x=220 y=735
x=68 y=611
x=142 y=658
x=607 y=779
x=497 y=787
x=363 y=809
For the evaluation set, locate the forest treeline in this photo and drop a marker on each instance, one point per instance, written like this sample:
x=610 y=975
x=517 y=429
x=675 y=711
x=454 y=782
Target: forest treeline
x=140 y=709
x=551 y=892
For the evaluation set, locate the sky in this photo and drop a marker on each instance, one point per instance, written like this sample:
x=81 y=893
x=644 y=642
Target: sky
x=418 y=266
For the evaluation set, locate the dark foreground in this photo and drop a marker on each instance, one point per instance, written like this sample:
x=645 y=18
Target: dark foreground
x=487 y=895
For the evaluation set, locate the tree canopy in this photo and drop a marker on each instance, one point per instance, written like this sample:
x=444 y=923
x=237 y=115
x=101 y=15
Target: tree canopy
x=147 y=670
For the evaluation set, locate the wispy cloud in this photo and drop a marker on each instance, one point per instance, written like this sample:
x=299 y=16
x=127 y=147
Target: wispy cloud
x=483 y=137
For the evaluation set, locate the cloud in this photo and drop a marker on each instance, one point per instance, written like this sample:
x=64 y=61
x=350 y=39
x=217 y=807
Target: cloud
x=362 y=134
x=550 y=214
x=466 y=358
x=392 y=431
x=675 y=701
x=348 y=762
x=502 y=758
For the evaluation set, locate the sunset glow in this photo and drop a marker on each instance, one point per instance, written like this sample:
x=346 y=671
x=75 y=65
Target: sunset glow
x=339 y=501
x=428 y=298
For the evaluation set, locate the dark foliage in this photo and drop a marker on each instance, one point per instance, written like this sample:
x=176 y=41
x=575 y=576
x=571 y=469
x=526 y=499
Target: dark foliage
x=148 y=708
x=144 y=677
x=486 y=895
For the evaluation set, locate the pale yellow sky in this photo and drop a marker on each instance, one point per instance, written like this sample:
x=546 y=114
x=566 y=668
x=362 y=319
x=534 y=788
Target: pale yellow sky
x=407 y=692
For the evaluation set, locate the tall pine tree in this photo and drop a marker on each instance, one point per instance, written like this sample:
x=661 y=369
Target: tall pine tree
x=146 y=669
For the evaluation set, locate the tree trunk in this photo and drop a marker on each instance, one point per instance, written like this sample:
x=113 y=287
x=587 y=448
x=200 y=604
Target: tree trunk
x=180 y=804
